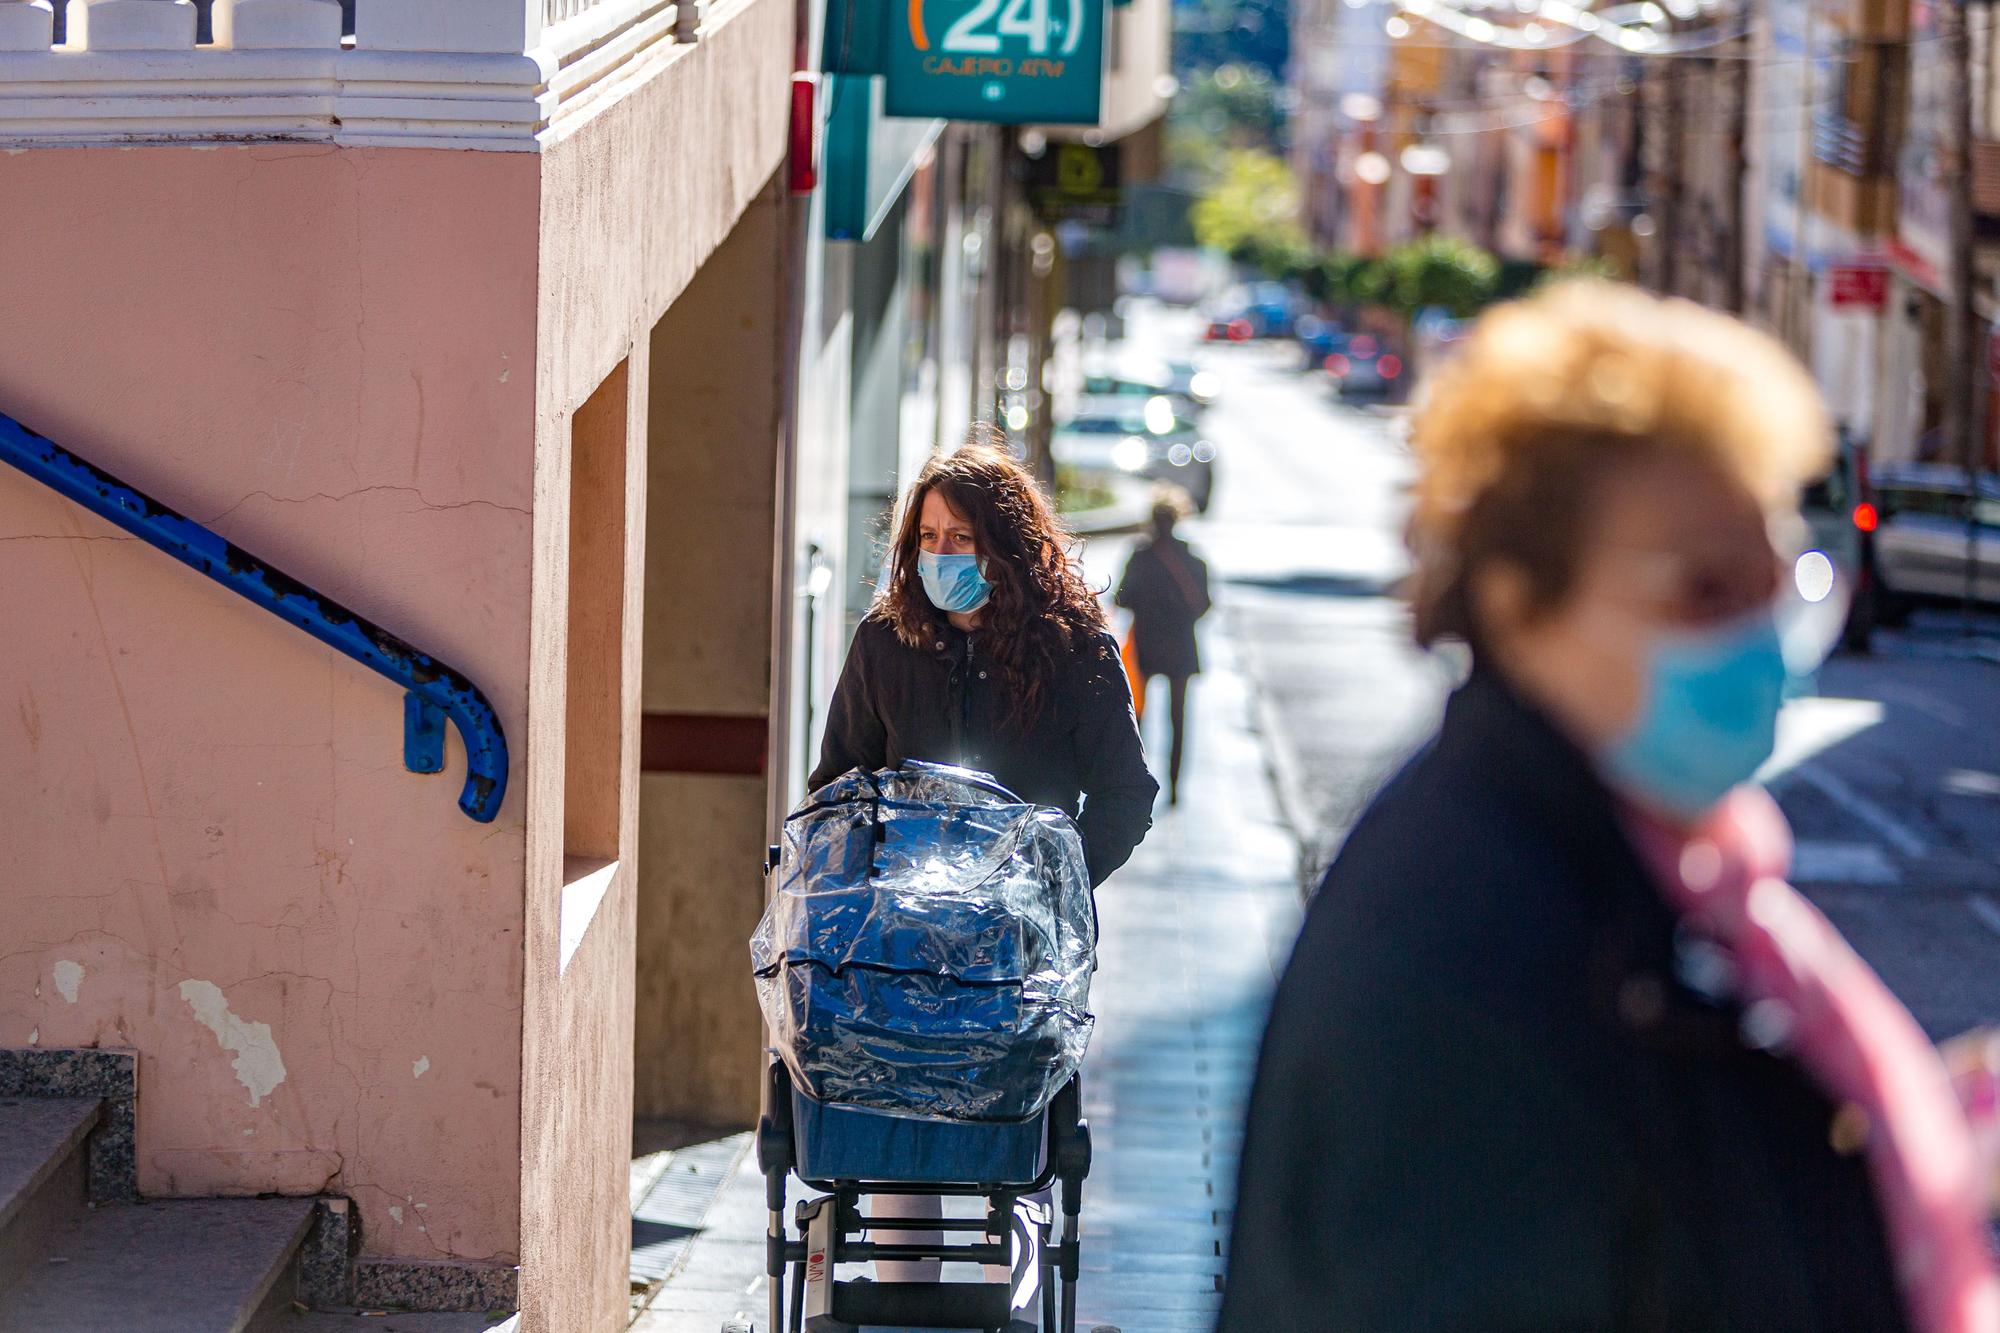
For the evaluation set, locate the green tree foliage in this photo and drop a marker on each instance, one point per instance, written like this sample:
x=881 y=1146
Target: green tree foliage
x=1345 y=281
x=1282 y=254
x=1440 y=270
x=1581 y=266
x=1252 y=213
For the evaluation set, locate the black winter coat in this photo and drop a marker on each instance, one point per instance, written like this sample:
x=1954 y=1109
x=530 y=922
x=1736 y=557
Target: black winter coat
x=1486 y=1102
x=1165 y=587
x=938 y=704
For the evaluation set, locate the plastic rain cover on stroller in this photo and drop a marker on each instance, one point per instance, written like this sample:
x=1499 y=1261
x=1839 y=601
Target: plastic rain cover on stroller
x=929 y=946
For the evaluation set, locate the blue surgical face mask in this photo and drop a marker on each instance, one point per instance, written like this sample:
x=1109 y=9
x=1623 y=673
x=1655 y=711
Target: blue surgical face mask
x=954 y=583
x=1710 y=719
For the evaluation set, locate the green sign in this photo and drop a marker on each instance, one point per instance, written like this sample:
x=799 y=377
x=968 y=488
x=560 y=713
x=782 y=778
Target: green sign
x=1075 y=182
x=867 y=158
x=1014 y=62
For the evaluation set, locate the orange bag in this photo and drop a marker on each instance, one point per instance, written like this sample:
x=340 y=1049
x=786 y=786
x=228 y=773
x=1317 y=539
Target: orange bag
x=1130 y=654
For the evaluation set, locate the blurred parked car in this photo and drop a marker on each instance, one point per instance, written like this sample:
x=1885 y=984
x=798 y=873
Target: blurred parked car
x=1927 y=529
x=1841 y=513
x=1366 y=368
x=1185 y=377
x=1319 y=339
x=1272 y=306
x=1110 y=393
x=1433 y=335
x=1262 y=310
x=1138 y=442
x=1117 y=370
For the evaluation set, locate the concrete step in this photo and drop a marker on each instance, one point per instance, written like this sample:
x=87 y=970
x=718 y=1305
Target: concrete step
x=391 y=1321
x=42 y=1185
x=172 y=1266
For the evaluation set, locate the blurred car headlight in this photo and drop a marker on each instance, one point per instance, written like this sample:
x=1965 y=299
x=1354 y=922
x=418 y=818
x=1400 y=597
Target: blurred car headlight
x=1205 y=384
x=1204 y=452
x=1160 y=415
x=1131 y=454
x=1814 y=576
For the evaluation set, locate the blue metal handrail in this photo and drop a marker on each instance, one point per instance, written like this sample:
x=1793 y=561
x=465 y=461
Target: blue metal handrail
x=434 y=689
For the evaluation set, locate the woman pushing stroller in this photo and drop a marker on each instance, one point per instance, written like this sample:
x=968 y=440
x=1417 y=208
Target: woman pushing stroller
x=986 y=648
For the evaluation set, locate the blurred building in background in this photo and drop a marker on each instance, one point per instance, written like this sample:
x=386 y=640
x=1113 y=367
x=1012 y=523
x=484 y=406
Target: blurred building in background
x=1830 y=169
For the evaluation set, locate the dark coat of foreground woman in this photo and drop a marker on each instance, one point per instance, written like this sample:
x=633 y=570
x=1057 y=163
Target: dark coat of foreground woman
x=1487 y=1101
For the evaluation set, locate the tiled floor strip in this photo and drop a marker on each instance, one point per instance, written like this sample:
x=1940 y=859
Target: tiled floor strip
x=670 y=1216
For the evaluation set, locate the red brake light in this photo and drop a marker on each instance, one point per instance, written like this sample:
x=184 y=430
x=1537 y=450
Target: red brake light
x=1389 y=366
x=1865 y=517
x=1240 y=330
x=1363 y=347
x=1336 y=364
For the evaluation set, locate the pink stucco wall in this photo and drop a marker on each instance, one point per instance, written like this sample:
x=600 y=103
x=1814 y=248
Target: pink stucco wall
x=328 y=355
x=633 y=204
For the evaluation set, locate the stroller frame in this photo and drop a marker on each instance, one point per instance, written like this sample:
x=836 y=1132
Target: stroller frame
x=831 y=1227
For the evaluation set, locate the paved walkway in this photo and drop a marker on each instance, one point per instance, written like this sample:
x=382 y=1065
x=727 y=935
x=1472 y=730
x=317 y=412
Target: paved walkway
x=1194 y=930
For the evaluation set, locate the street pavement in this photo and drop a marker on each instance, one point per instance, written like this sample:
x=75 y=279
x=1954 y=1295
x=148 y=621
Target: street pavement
x=1889 y=770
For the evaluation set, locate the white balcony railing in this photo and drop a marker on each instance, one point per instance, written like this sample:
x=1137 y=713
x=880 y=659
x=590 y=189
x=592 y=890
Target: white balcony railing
x=504 y=74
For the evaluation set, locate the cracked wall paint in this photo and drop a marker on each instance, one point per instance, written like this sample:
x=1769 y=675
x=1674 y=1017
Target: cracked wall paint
x=421 y=1067
x=257 y=1064
x=68 y=976
x=199 y=760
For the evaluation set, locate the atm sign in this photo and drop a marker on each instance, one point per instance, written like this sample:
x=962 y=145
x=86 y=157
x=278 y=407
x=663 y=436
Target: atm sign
x=1008 y=61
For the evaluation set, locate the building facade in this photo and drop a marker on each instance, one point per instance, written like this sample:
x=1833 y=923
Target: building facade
x=521 y=331
x=1822 y=167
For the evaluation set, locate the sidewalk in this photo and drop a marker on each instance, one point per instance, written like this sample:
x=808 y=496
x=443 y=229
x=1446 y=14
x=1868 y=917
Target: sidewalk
x=1194 y=930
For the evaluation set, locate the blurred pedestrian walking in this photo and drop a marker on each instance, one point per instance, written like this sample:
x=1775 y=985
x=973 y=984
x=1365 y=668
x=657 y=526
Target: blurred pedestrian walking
x=1165 y=587
x=1558 y=1047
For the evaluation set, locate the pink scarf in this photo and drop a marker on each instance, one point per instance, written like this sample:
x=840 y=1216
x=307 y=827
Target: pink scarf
x=1856 y=1041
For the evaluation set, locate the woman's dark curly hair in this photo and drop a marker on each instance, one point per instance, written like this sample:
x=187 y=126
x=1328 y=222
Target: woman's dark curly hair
x=1041 y=614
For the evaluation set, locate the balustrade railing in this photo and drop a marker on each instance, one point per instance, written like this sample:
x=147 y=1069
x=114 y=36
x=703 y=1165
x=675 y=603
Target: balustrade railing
x=1845 y=144
x=448 y=73
x=402 y=25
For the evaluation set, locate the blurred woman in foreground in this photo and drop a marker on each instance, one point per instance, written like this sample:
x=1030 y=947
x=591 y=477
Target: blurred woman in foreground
x=1558 y=1047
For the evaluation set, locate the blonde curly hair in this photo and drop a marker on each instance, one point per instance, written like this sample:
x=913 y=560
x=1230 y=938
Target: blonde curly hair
x=1549 y=394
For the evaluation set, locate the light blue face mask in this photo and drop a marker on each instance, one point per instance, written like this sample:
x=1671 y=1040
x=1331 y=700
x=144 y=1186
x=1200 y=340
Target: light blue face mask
x=954 y=583
x=1710 y=719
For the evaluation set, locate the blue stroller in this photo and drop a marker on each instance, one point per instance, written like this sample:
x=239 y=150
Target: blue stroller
x=924 y=970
